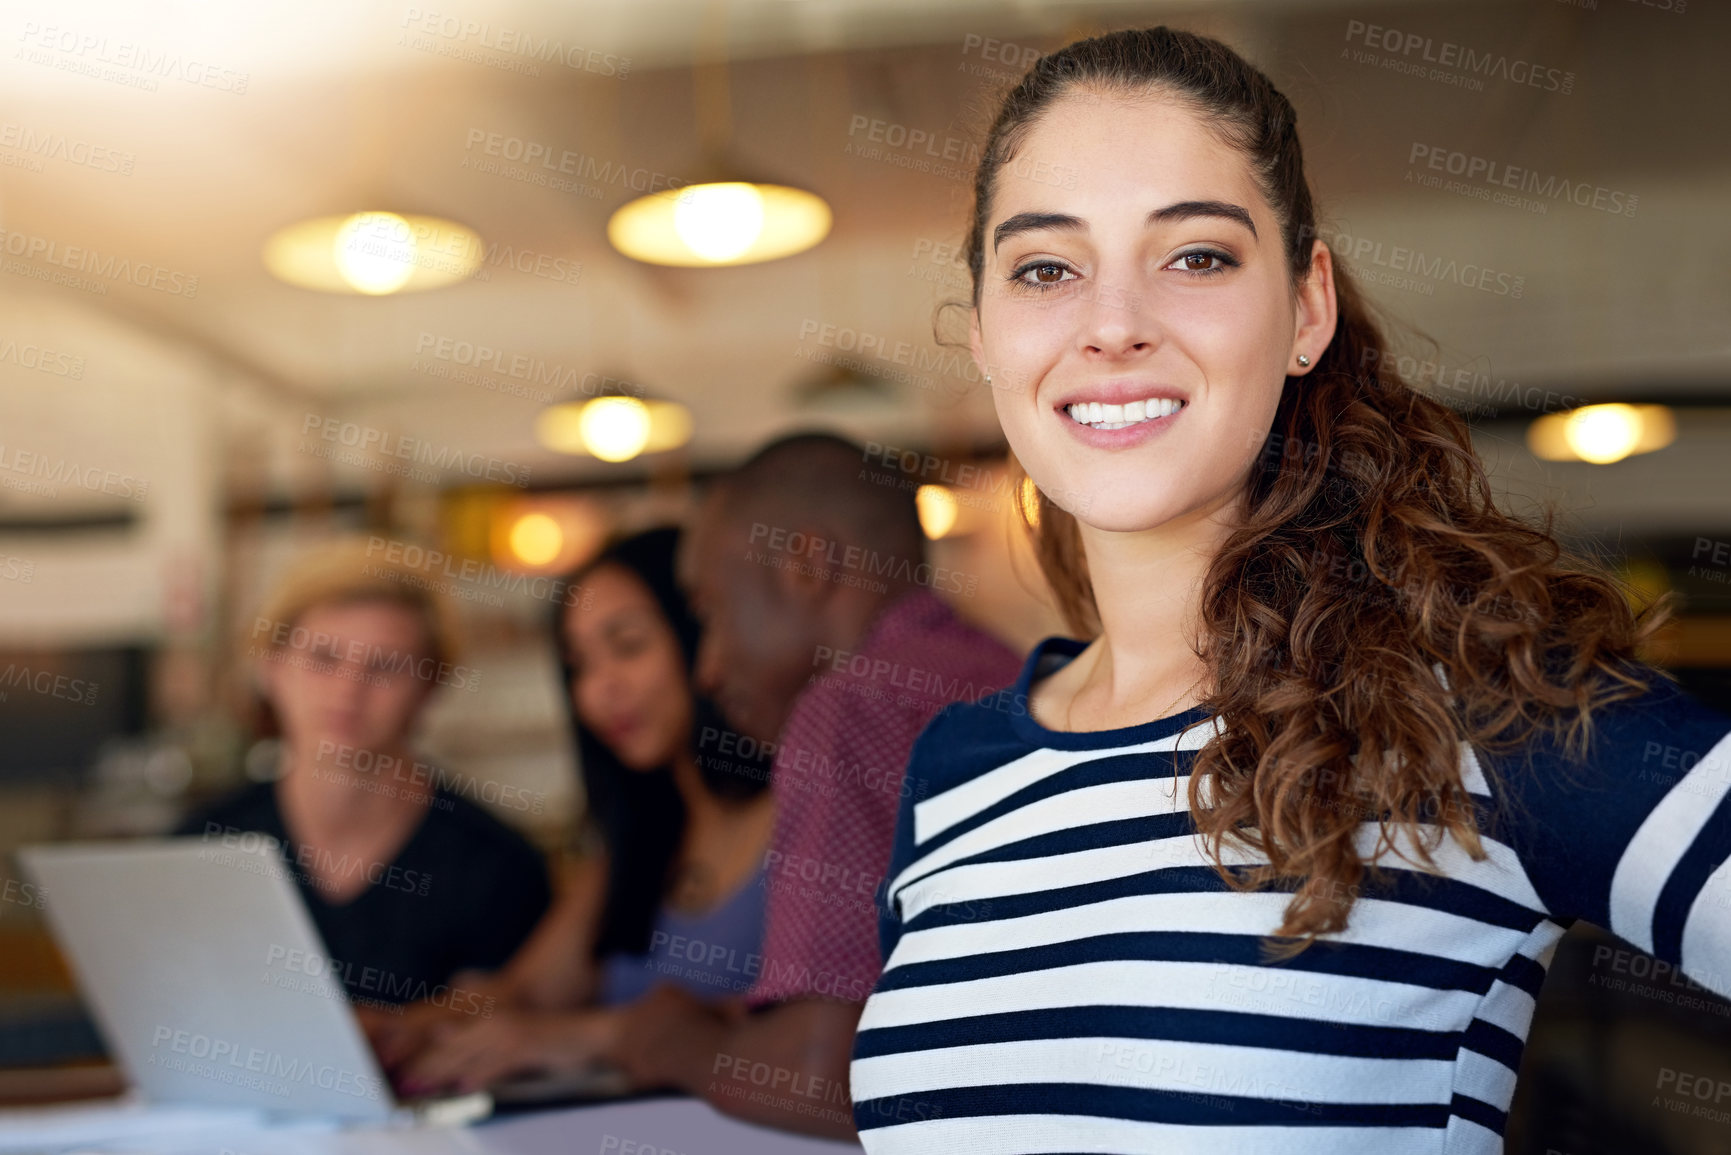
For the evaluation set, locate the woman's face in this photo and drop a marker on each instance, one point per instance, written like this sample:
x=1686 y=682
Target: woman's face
x=630 y=685
x=1149 y=282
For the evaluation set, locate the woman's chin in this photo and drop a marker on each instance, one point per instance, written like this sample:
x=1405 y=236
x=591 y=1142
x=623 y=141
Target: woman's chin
x=644 y=760
x=1114 y=514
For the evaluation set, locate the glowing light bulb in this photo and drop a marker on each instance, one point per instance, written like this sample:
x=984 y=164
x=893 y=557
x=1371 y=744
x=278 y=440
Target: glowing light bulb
x=375 y=252
x=615 y=428
x=536 y=539
x=938 y=510
x=1603 y=433
x=1028 y=496
x=719 y=221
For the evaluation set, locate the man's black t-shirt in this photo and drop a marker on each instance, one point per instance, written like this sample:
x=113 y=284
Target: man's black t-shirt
x=464 y=891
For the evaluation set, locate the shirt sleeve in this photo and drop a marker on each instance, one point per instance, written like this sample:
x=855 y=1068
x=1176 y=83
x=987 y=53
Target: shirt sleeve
x=1635 y=836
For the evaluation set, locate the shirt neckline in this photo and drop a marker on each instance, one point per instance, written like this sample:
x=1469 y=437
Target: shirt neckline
x=1030 y=730
x=304 y=877
x=758 y=879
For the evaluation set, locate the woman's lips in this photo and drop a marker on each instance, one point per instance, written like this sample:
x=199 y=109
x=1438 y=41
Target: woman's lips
x=1109 y=415
x=620 y=730
x=1120 y=426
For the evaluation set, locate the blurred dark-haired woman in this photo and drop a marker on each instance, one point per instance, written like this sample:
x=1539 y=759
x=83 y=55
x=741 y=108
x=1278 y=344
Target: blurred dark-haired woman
x=669 y=885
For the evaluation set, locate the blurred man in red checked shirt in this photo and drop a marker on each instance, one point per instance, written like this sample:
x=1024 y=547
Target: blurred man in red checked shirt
x=822 y=633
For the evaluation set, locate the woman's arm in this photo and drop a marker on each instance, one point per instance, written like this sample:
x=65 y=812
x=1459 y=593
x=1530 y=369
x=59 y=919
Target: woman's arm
x=1635 y=837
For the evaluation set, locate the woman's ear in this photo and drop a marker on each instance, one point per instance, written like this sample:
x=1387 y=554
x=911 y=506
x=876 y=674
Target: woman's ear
x=1316 y=310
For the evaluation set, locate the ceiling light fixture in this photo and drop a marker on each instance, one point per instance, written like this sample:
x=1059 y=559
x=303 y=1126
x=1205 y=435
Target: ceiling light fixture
x=374 y=253
x=613 y=428
x=720 y=222
x=536 y=539
x=724 y=218
x=1602 y=434
x=546 y=533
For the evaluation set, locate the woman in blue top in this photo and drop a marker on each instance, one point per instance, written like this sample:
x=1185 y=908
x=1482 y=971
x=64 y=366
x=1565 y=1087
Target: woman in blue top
x=670 y=887
x=1276 y=862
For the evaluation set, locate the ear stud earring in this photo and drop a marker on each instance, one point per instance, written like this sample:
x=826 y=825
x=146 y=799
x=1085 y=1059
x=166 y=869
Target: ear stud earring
x=1303 y=361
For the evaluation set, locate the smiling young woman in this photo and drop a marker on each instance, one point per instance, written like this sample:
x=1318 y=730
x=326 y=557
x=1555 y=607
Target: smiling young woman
x=1276 y=862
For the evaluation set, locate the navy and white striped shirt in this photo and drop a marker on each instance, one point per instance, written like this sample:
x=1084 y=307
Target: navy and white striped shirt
x=1065 y=971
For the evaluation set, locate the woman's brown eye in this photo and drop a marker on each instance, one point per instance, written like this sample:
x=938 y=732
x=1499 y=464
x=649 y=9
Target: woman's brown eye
x=1048 y=274
x=1191 y=260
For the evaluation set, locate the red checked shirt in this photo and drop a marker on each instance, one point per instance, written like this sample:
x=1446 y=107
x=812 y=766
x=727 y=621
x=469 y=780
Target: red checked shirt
x=838 y=781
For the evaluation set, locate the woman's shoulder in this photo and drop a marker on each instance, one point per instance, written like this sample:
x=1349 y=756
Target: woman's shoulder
x=997 y=721
x=1656 y=733
x=966 y=739
x=1662 y=709
x=1665 y=728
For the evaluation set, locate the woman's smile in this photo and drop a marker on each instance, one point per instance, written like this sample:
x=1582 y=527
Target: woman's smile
x=1119 y=414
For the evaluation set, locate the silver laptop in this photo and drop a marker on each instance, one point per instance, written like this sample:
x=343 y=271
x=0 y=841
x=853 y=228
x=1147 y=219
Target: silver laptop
x=209 y=981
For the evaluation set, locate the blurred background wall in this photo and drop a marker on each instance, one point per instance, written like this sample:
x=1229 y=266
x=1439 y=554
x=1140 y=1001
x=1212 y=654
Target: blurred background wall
x=1534 y=192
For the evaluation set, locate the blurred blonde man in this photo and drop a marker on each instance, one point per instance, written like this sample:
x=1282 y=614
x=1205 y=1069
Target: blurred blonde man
x=408 y=880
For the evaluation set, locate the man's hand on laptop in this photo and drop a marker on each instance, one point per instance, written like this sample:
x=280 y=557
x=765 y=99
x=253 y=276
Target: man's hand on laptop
x=468 y=1056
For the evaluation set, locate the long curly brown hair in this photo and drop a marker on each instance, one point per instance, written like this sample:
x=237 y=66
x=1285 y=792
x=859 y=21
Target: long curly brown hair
x=1376 y=608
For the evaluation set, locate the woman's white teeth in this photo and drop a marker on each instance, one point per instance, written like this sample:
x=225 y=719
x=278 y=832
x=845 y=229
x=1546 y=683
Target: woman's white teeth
x=1118 y=416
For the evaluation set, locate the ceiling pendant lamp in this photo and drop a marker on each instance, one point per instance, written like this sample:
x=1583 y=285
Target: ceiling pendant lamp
x=613 y=428
x=373 y=253
x=726 y=221
x=725 y=217
x=1601 y=434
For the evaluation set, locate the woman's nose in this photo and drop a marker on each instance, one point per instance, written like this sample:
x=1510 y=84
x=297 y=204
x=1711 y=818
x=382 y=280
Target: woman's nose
x=1117 y=320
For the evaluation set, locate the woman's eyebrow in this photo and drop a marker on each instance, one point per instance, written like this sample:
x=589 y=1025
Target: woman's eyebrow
x=1189 y=210
x=1034 y=222
x=623 y=620
x=1182 y=211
